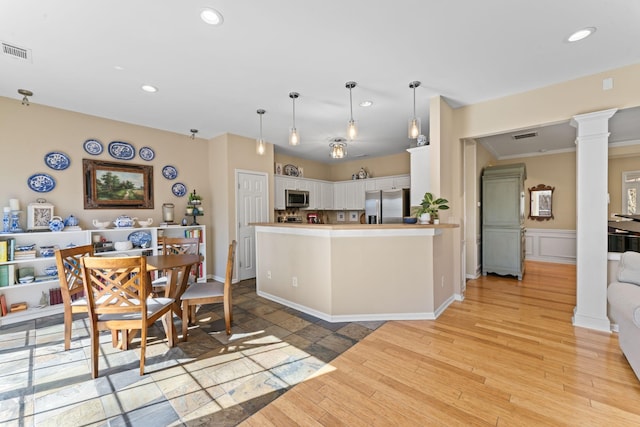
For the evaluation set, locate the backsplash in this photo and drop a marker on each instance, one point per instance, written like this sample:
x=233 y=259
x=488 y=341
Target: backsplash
x=325 y=217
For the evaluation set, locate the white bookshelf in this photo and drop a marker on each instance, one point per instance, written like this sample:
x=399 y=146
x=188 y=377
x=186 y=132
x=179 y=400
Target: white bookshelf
x=31 y=293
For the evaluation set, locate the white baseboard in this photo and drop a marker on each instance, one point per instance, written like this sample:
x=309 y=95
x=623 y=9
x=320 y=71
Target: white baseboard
x=357 y=317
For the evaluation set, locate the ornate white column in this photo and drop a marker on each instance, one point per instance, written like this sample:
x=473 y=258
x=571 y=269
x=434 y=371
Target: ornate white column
x=591 y=222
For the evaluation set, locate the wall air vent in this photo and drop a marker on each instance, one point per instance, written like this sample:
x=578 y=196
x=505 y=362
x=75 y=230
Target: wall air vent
x=16 y=52
x=524 y=135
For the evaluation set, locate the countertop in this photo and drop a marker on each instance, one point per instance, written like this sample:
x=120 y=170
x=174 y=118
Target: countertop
x=354 y=226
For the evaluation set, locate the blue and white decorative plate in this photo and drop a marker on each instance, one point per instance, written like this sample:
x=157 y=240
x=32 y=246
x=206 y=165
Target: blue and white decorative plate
x=179 y=189
x=56 y=160
x=121 y=150
x=146 y=153
x=93 y=146
x=169 y=172
x=141 y=239
x=41 y=182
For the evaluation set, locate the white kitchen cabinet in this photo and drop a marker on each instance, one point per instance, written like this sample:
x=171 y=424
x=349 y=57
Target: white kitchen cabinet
x=355 y=194
x=327 y=190
x=282 y=183
x=302 y=184
x=31 y=293
x=402 y=181
x=388 y=182
x=385 y=183
x=315 y=196
x=371 y=184
x=340 y=195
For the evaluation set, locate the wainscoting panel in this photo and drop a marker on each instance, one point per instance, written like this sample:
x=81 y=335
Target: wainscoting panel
x=550 y=245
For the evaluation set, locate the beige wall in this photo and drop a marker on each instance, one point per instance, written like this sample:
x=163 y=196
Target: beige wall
x=305 y=257
x=219 y=233
x=447 y=157
x=382 y=275
x=396 y=164
x=555 y=170
x=231 y=153
x=29 y=133
x=354 y=275
x=552 y=104
x=315 y=170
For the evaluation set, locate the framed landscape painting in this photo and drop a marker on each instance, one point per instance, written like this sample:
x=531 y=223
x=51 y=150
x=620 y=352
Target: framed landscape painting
x=110 y=185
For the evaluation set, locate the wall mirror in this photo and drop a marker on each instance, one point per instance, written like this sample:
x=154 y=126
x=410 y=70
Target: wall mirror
x=540 y=202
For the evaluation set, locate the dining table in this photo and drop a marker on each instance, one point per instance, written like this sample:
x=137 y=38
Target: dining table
x=174 y=267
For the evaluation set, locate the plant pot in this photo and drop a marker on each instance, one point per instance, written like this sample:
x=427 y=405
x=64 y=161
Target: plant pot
x=424 y=218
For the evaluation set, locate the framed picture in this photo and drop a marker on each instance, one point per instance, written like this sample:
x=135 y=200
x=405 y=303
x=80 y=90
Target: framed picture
x=109 y=185
x=353 y=216
x=340 y=216
x=278 y=168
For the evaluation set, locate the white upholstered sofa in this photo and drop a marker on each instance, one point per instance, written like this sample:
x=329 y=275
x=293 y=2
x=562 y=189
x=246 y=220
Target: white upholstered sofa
x=624 y=307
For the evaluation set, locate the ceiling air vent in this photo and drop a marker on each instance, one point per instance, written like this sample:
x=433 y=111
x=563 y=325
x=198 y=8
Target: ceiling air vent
x=524 y=135
x=16 y=52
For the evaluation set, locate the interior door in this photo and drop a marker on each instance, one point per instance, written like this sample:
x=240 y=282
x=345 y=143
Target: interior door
x=252 y=206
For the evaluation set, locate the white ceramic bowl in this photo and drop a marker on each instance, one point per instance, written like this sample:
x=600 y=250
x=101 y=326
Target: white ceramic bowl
x=145 y=223
x=101 y=225
x=123 y=246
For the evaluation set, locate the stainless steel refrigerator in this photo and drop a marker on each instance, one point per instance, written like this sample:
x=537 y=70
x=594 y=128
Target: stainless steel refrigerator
x=386 y=206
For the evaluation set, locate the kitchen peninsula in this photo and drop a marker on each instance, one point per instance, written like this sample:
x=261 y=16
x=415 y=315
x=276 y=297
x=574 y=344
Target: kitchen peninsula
x=356 y=272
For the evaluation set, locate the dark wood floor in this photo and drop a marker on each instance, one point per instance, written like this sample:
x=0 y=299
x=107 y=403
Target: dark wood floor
x=506 y=355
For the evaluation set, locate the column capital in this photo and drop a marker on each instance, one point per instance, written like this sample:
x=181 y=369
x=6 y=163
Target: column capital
x=593 y=123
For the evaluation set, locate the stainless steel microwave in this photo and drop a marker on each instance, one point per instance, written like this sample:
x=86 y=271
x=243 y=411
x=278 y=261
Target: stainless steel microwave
x=296 y=198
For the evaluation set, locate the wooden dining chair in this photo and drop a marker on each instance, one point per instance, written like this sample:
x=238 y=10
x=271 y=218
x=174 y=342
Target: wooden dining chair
x=70 y=276
x=179 y=246
x=208 y=293
x=116 y=290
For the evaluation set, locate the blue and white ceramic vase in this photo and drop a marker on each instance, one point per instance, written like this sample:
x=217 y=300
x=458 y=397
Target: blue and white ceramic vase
x=6 y=222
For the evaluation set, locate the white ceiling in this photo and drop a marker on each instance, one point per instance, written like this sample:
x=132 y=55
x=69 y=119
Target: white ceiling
x=215 y=78
x=624 y=128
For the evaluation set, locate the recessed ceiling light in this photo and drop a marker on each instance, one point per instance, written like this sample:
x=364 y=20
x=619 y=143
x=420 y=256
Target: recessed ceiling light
x=366 y=103
x=211 y=16
x=118 y=67
x=581 y=34
x=149 y=88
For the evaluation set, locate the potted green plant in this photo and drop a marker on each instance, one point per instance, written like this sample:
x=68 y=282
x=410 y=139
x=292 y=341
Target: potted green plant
x=194 y=199
x=429 y=207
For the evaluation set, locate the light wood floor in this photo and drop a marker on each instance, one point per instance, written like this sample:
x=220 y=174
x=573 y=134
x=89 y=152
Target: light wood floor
x=506 y=355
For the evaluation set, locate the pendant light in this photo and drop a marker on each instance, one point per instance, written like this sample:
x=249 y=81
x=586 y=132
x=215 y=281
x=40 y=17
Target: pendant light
x=260 y=147
x=352 y=129
x=338 y=148
x=414 y=122
x=294 y=138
